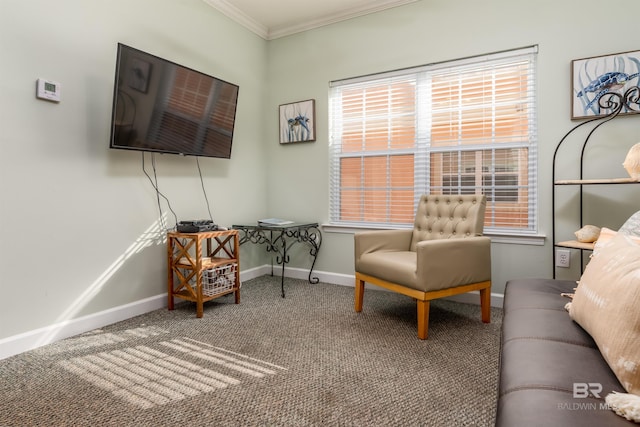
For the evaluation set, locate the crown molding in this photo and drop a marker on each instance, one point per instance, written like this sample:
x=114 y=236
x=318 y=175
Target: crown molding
x=284 y=30
x=240 y=17
x=371 y=7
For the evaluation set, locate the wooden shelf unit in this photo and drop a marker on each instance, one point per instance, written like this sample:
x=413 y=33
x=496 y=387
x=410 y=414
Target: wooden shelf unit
x=616 y=103
x=194 y=260
x=575 y=244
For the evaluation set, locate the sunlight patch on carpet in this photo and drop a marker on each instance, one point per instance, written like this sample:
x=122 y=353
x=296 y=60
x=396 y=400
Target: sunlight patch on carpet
x=97 y=338
x=146 y=377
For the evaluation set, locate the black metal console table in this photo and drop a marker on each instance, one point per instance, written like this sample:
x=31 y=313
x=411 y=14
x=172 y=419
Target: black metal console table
x=280 y=238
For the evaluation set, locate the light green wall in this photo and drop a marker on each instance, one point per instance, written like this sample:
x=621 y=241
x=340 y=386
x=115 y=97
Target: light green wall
x=75 y=217
x=301 y=67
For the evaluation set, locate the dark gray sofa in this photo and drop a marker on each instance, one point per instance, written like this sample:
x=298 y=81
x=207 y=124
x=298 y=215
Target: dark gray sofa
x=543 y=354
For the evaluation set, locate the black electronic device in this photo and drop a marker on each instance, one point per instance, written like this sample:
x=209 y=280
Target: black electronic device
x=196 y=226
x=164 y=107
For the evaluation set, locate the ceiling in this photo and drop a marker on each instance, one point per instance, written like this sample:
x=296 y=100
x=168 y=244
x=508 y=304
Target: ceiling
x=271 y=19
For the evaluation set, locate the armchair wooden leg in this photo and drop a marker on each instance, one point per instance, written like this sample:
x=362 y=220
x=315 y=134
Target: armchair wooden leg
x=423 y=319
x=485 y=304
x=359 y=294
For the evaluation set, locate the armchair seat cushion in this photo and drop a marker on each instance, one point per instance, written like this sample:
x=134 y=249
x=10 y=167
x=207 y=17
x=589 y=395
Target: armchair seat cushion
x=397 y=267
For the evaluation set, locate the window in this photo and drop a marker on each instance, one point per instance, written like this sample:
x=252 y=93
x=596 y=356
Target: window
x=460 y=127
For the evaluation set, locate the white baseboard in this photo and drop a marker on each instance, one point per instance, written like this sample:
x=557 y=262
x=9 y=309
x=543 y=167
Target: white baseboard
x=349 y=280
x=473 y=297
x=33 y=339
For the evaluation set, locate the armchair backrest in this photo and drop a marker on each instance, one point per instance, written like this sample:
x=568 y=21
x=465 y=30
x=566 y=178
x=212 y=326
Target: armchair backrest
x=448 y=217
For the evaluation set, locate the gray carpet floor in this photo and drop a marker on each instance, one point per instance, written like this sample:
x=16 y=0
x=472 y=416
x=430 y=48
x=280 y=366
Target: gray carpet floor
x=305 y=360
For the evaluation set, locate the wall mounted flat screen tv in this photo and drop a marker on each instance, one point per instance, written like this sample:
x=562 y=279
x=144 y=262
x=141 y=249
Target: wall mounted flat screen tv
x=164 y=107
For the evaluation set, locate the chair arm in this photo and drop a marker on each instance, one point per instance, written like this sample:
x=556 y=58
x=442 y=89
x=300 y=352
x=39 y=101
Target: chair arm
x=447 y=263
x=381 y=240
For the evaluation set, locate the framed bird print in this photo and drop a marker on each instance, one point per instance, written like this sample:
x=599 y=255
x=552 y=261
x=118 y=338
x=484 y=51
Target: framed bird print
x=297 y=122
x=595 y=79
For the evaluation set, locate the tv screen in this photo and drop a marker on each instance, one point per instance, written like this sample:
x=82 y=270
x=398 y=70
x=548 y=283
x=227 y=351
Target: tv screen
x=164 y=107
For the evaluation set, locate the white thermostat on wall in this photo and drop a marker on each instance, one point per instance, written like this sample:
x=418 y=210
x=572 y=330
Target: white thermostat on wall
x=48 y=89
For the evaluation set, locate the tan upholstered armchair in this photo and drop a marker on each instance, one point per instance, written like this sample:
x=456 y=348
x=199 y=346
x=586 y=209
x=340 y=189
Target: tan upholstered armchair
x=444 y=254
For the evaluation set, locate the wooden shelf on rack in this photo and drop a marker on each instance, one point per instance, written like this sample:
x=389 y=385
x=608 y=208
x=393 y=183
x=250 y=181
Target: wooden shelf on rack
x=207 y=262
x=597 y=181
x=574 y=244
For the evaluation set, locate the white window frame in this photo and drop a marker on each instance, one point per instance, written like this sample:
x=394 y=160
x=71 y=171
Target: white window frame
x=422 y=148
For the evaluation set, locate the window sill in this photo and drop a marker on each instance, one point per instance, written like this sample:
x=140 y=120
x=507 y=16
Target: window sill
x=520 y=239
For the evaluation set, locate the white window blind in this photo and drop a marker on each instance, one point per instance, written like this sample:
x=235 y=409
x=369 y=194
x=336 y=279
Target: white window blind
x=459 y=127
